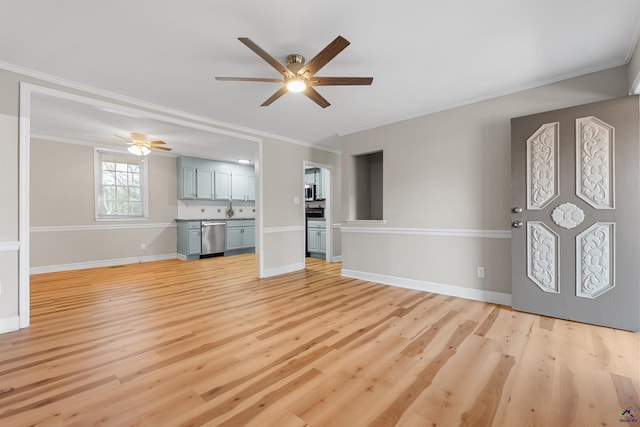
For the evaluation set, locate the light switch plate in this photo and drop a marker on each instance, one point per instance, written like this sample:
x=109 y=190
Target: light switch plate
x=296 y=200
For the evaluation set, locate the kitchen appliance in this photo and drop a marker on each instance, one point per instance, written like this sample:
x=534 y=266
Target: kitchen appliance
x=309 y=192
x=214 y=238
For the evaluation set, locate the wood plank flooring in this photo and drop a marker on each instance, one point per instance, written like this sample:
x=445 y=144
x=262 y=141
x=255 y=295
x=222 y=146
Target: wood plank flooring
x=176 y=343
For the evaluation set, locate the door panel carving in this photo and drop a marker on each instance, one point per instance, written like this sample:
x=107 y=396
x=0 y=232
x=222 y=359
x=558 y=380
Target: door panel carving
x=542 y=255
x=595 y=260
x=594 y=162
x=542 y=165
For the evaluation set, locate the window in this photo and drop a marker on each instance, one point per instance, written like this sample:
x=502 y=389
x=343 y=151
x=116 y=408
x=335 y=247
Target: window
x=121 y=185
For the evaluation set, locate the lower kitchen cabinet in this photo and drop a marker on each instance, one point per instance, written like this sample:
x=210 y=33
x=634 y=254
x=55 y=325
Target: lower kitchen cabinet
x=241 y=235
x=189 y=239
x=316 y=237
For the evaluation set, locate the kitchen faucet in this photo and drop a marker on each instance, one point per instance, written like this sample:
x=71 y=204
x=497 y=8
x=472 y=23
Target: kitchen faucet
x=229 y=211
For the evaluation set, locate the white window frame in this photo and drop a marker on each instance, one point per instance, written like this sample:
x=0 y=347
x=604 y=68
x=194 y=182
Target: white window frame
x=144 y=185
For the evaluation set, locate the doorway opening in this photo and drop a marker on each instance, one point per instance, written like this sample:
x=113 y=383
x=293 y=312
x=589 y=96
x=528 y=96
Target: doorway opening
x=317 y=211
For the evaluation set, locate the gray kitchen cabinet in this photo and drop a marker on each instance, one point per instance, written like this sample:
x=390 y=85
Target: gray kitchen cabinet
x=187 y=183
x=205 y=179
x=249 y=237
x=309 y=176
x=238 y=186
x=222 y=185
x=316 y=237
x=189 y=239
x=312 y=240
x=204 y=184
x=243 y=187
x=251 y=188
x=241 y=234
x=234 y=238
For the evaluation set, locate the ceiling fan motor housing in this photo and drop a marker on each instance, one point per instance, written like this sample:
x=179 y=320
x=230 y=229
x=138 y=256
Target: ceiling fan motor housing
x=295 y=62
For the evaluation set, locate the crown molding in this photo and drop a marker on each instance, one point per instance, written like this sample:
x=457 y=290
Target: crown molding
x=231 y=129
x=491 y=95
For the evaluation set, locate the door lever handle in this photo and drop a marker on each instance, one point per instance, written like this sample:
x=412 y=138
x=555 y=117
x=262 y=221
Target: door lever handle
x=516 y=224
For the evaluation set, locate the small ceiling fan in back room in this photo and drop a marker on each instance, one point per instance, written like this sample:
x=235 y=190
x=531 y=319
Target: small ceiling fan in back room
x=140 y=145
x=298 y=75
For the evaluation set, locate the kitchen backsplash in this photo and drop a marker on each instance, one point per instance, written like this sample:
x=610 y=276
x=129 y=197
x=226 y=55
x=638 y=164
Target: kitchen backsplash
x=211 y=209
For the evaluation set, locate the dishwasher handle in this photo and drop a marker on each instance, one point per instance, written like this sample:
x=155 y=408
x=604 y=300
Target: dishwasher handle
x=211 y=223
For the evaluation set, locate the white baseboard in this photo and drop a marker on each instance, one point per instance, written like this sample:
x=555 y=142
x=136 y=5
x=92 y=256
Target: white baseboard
x=9 y=324
x=181 y=257
x=419 y=285
x=103 y=263
x=337 y=258
x=276 y=271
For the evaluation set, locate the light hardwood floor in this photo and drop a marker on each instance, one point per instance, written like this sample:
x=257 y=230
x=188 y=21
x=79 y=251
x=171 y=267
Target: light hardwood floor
x=177 y=343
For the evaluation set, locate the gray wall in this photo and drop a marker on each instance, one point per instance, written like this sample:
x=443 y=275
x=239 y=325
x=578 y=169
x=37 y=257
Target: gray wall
x=446 y=189
x=283 y=219
x=64 y=233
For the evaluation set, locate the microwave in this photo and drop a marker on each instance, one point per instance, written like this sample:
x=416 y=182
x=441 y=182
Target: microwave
x=309 y=192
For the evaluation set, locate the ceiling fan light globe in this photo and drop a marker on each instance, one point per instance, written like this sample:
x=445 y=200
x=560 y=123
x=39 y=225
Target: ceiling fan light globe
x=139 y=150
x=296 y=85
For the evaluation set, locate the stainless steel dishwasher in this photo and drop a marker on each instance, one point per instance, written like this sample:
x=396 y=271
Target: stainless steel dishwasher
x=214 y=238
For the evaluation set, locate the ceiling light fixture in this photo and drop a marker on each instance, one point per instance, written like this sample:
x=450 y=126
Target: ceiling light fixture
x=244 y=161
x=138 y=150
x=296 y=84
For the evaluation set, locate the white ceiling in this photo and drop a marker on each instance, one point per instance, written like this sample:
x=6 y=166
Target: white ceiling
x=424 y=55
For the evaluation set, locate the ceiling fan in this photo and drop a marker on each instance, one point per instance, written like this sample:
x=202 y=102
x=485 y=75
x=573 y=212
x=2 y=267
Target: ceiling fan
x=140 y=145
x=298 y=75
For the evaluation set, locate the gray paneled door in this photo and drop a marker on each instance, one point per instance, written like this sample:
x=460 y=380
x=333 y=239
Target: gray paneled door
x=576 y=213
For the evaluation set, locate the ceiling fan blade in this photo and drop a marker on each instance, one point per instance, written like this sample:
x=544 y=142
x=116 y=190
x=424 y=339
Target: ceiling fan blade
x=264 y=55
x=123 y=138
x=160 y=148
x=316 y=97
x=339 y=81
x=275 y=96
x=248 y=79
x=325 y=55
x=156 y=142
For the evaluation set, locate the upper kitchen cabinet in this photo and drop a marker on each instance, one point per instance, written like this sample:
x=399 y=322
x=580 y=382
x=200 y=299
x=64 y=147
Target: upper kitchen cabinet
x=310 y=176
x=205 y=179
x=186 y=182
x=243 y=187
x=204 y=184
x=222 y=183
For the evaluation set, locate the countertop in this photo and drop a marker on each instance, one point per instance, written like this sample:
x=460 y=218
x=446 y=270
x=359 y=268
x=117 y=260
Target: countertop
x=215 y=219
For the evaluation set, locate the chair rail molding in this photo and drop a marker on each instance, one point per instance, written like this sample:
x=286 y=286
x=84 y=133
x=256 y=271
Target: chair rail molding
x=10 y=246
x=446 y=232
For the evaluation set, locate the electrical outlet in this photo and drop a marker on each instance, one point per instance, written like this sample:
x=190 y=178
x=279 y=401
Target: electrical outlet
x=480 y=272
x=143 y=246
x=296 y=200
